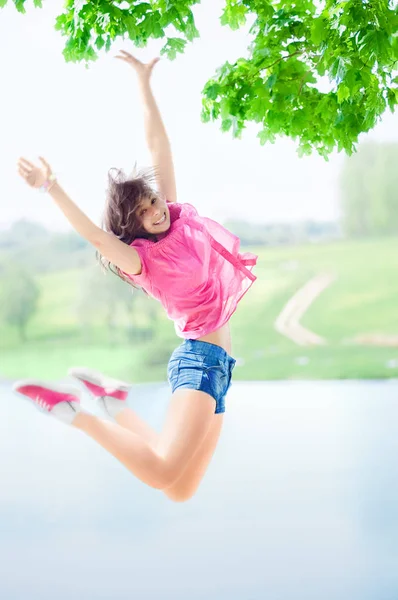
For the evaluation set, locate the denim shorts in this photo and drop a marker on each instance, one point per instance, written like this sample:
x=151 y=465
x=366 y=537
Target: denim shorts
x=198 y=365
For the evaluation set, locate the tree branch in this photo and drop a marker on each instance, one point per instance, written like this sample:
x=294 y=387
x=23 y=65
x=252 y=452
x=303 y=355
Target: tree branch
x=281 y=58
x=301 y=84
x=276 y=62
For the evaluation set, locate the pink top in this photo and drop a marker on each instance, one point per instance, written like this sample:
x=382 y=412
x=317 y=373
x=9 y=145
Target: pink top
x=195 y=271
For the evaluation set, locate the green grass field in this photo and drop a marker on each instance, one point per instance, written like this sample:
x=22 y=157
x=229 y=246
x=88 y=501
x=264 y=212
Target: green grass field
x=362 y=300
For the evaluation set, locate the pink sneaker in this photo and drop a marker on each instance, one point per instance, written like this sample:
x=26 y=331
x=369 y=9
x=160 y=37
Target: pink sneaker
x=60 y=400
x=111 y=393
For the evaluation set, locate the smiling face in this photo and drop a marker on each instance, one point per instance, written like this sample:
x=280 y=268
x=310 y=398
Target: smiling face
x=154 y=215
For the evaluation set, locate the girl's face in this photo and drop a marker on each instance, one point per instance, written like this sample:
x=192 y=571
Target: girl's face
x=154 y=215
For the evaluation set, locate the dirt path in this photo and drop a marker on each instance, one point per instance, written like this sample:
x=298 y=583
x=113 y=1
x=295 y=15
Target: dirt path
x=288 y=321
x=373 y=339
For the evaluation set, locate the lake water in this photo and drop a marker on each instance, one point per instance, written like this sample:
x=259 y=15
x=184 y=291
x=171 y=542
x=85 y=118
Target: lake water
x=300 y=502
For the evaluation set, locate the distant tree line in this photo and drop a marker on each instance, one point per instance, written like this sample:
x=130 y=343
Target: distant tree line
x=277 y=234
x=41 y=251
x=369 y=191
x=19 y=295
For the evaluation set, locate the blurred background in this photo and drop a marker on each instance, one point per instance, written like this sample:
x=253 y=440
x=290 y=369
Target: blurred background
x=324 y=304
x=300 y=500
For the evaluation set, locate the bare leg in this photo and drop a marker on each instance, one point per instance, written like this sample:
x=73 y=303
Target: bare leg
x=190 y=416
x=186 y=485
x=129 y=419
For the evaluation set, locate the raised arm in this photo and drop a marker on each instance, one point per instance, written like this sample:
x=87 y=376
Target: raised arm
x=117 y=252
x=156 y=136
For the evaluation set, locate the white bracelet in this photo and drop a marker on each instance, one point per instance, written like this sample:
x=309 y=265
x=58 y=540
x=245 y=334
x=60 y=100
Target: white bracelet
x=47 y=185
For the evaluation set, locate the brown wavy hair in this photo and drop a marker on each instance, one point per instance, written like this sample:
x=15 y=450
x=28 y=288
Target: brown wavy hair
x=124 y=197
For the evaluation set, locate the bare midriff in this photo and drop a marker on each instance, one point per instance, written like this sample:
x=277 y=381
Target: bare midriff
x=220 y=337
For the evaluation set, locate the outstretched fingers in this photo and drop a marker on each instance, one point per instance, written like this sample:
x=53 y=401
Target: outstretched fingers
x=128 y=57
x=22 y=162
x=24 y=168
x=139 y=65
x=45 y=163
x=153 y=63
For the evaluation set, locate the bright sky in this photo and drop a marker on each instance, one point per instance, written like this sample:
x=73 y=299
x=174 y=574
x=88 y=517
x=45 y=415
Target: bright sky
x=87 y=121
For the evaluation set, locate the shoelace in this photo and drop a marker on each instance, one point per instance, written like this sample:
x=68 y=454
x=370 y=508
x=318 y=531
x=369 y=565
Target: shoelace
x=103 y=398
x=42 y=403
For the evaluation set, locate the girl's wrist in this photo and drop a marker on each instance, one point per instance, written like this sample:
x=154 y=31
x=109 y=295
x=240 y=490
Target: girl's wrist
x=53 y=187
x=48 y=184
x=144 y=83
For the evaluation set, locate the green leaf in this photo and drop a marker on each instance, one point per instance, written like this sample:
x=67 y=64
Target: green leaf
x=275 y=120
x=212 y=91
x=132 y=29
x=19 y=5
x=337 y=70
x=172 y=46
x=319 y=31
x=352 y=82
x=157 y=31
x=304 y=149
x=271 y=81
x=266 y=136
x=225 y=107
x=342 y=93
x=226 y=124
x=190 y=29
x=141 y=9
x=376 y=42
x=236 y=128
x=392 y=98
x=99 y=42
x=259 y=107
x=205 y=115
x=234 y=15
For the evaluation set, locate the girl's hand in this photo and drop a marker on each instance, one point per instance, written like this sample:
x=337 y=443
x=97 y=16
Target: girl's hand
x=143 y=70
x=34 y=176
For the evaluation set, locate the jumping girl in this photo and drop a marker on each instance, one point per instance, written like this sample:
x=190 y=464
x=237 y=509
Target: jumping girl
x=189 y=263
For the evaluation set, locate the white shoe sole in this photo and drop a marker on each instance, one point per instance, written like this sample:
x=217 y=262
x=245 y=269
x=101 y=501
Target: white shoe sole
x=97 y=378
x=111 y=406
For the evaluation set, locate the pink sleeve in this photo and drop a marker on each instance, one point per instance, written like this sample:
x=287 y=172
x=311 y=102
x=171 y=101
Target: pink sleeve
x=143 y=276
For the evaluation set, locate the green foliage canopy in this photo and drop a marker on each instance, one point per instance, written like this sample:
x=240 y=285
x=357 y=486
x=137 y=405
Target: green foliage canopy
x=298 y=47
